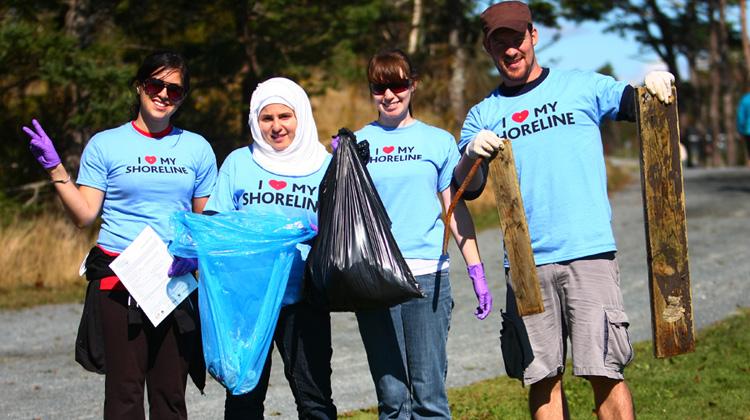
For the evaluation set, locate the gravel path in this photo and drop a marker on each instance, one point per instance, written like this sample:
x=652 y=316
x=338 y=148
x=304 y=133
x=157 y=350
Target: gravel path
x=40 y=380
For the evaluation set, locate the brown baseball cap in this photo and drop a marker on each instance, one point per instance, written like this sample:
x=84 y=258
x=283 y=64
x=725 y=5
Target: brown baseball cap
x=507 y=14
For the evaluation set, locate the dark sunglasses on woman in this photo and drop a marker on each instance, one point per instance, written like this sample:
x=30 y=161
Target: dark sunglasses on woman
x=395 y=87
x=153 y=86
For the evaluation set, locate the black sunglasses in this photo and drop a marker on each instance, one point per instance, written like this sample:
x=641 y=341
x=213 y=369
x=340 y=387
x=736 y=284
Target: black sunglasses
x=395 y=87
x=153 y=86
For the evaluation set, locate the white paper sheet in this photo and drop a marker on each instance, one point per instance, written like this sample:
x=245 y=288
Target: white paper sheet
x=142 y=267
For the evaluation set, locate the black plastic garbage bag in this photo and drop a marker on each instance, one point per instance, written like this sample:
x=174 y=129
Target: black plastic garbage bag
x=355 y=263
x=515 y=345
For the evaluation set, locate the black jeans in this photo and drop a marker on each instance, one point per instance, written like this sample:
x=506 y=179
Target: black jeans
x=138 y=354
x=303 y=339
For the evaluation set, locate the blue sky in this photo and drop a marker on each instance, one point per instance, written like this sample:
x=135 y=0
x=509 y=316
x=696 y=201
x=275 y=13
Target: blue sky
x=588 y=47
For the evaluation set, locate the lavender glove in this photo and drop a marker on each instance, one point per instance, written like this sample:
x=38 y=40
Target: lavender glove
x=41 y=146
x=181 y=266
x=484 y=297
x=334 y=142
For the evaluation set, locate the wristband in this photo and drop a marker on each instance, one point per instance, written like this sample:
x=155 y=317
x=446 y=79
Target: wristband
x=60 y=181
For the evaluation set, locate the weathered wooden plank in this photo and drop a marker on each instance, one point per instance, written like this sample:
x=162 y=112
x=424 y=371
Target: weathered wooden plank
x=666 y=230
x=515 y=232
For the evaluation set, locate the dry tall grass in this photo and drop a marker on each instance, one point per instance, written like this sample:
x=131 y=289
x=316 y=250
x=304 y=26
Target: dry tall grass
x=348 y=107
x=43 y=252
x=351 y=107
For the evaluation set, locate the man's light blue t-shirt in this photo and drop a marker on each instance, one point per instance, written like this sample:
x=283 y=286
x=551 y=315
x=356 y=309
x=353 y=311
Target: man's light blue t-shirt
x=557 y=147
x=409 y=167
x=242 y=183
x=145 y=180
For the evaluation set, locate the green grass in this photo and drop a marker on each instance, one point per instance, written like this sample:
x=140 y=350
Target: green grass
x=485 y=219
x=712 y=383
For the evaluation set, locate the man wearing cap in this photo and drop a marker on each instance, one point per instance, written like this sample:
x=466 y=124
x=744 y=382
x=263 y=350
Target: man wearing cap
x=552 y=118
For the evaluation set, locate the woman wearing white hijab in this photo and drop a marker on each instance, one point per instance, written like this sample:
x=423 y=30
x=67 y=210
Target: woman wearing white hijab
x=280 y=171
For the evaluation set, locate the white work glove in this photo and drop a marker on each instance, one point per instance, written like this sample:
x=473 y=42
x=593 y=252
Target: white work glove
x=659 y=83
x=485 y=144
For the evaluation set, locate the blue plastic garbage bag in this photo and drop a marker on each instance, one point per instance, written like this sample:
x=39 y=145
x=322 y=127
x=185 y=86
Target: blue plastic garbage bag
x=244 y=260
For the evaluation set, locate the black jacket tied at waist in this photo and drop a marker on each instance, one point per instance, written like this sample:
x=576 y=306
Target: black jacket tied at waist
x=89 y=348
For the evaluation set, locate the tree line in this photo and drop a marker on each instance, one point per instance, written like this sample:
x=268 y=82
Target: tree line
x=69 y=62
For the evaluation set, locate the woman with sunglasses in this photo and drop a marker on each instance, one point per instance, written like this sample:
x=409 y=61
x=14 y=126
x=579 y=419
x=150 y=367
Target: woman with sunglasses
x=280 y=172
x=138 y=175
x=411 y=164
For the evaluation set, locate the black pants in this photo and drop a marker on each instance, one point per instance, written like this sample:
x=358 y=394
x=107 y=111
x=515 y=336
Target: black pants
x=138 y=354
x=303 y=339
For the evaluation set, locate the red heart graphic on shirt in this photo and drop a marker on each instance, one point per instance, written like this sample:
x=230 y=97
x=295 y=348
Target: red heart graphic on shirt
x=277 y=185
x=151 y=159
x=520 y=116
x=388 y=149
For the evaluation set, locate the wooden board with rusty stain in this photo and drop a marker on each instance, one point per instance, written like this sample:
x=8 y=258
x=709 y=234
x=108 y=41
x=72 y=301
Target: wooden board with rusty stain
x=515 y=232
x=666 y=229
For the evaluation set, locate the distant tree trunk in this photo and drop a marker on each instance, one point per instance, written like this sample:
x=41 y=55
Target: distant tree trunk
x=416 y=22
x=745 y=39
x=696 y=110
x=251 y=70
x=714 y=112
x=457 y=86
x=693 y=108
x=665 y=47
x=80 y=23
x=728 y=87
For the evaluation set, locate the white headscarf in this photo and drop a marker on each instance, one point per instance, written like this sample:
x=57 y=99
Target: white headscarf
x=305 y=154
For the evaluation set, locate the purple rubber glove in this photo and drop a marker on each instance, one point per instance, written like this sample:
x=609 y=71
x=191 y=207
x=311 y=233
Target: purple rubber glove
x=484 y=297
x=41 y=146
x=334 y=142
x=181 y=266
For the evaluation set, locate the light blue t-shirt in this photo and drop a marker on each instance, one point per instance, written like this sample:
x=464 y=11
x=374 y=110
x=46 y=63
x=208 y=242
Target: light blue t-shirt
x=557 y=147
x=743 y=115
x=409 y=167
x=242 y=183
x=145 y=180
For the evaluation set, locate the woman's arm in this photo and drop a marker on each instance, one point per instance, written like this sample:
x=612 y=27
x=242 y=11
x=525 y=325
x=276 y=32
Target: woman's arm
x=182 y=265
x=462 y=228
x=82 y=203
x=463 y=231
x=199 y=203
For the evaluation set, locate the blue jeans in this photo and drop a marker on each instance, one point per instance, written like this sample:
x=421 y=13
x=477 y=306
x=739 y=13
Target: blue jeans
x=303 y=339
x=411 y=386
